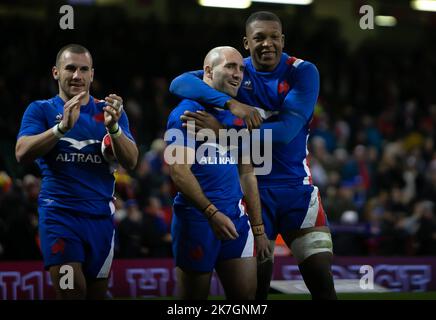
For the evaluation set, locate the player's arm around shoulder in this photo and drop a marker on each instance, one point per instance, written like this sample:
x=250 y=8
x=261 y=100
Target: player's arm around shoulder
x=248 y=182
x=307 y=77
x=299 y=103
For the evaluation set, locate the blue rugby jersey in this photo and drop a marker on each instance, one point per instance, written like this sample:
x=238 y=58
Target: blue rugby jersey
x=216 y=172
x=75 y=175
x=289 y=93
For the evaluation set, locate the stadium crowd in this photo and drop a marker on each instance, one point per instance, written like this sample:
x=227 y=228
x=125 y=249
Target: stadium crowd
x=372 y=135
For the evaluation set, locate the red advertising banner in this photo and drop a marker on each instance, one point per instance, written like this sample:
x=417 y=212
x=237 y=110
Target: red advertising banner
x=156 y=277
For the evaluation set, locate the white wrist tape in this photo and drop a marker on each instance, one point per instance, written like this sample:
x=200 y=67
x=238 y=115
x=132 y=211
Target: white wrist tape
x=115 y=133
x=56 y=131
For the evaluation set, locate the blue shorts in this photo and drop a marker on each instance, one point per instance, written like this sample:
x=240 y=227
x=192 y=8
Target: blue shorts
x=195 y=246
x=289 y=208
x=71 y=237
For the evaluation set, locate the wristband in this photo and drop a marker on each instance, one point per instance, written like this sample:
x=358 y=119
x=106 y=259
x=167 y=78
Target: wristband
x=115 y=131
x=206 y=207
x=58 y=131
x=210 y=211
x=258 y=229
x=61 y=128
x=210 y=217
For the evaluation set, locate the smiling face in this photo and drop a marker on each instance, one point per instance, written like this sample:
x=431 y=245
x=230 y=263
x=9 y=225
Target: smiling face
x=265 y=41
x=224 y=70
x=74 y=73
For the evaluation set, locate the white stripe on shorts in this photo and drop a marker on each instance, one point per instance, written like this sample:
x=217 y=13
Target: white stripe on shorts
x=241 y=209
x=249 y=245
x=312 y=211
x=104 y=271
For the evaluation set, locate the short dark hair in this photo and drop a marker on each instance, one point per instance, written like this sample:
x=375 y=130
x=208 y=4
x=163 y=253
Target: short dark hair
x=74 y=48
x=262 y=16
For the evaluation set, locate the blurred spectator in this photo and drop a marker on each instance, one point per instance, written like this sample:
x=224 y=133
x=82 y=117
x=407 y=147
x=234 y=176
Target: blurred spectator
x=339 y=200
x=124 y=183
x=158 y=235
x=131 y=233
x=144 y=234
x=20 y=221
x=120 y=210
x=426 y=234
x=155 y=156
x=427 y=190
x=349 y=241
x=148 y=181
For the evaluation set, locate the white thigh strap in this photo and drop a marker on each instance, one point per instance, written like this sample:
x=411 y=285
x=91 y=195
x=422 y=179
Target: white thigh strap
x=311 y=243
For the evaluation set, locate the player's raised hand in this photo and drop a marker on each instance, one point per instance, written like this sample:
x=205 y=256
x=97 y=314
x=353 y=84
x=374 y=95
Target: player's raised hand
x=72 y=111
x=249 y=114
x=263 y=247
x=202 y=120
x=112 y=110
x=223 y=227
